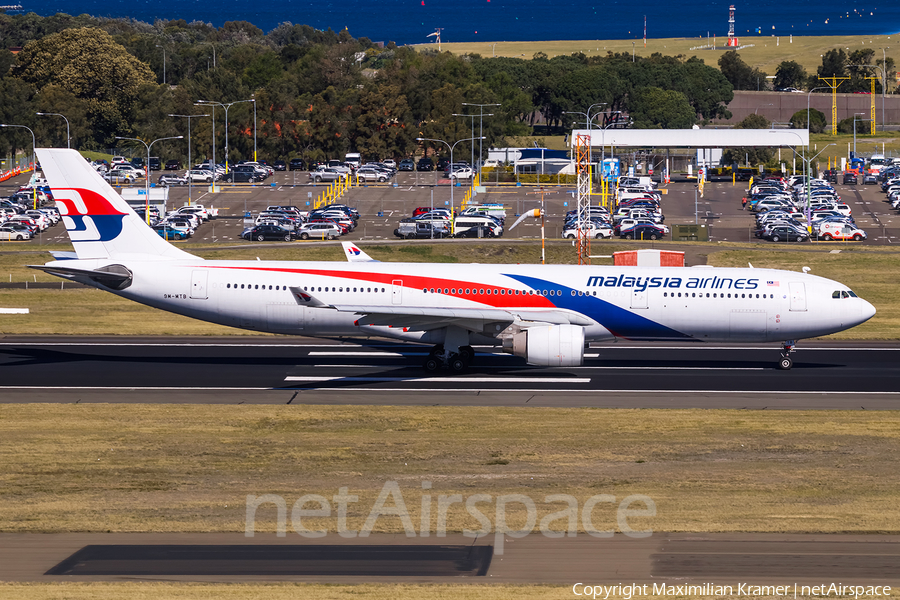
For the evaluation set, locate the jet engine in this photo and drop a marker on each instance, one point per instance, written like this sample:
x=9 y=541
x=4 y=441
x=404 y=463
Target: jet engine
x=548 y=345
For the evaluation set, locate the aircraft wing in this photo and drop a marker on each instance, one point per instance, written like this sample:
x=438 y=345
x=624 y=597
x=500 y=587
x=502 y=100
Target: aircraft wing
x=426 y=317
x=421 y=318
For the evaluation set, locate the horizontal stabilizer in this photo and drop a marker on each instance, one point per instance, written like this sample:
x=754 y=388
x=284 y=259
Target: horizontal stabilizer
x=116 y=277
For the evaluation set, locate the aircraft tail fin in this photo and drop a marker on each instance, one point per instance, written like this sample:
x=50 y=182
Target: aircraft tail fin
x=99 y=222
x=354 y=254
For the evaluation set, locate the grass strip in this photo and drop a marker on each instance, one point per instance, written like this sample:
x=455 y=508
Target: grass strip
x=171 y=468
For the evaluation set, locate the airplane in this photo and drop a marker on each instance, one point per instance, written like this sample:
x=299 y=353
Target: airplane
x=546 y=314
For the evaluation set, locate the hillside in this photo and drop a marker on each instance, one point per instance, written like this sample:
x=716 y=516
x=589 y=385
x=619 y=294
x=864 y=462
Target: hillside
x=763 y=52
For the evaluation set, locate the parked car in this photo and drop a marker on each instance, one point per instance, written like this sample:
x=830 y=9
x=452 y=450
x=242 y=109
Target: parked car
x=167 y=180
x=407 y=164
x=120 y=176
x=261 y=233
x=478 y=231
x=411 y=229
x=787 y=233
x=644 y=231
x=172 y=165
x=849 y=178
x=296 y=164
x=195 y=175
x=591 y=228
x=15 y=231
x=327 y=174
x=462 y=173
x=870 y=179
x=425 y=164
x=279 y=165
x=367 y=173
x=239 y=175
x=168 y=232
x=314 y=231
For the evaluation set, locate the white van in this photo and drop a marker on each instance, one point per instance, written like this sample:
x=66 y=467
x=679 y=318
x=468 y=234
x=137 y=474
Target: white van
x=465 y=222
x=353 y=158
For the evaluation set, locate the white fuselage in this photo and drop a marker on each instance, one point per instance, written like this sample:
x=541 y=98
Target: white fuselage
x=639 y=303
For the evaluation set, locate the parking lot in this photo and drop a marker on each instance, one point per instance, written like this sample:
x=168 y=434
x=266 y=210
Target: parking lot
x=382 y=206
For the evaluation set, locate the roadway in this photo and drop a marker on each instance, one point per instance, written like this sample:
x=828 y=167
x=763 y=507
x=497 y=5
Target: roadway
x=826 y=375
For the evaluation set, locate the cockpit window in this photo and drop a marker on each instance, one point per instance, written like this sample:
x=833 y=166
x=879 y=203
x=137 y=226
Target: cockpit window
x=836 y=294
x=852 y=295
x=845 y=294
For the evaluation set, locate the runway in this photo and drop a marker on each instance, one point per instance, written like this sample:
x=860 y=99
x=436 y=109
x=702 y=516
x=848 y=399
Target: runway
x=826 y=375
x=669 y=559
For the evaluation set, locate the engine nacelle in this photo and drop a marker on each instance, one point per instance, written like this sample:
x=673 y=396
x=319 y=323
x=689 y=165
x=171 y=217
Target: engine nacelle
x=549 y=346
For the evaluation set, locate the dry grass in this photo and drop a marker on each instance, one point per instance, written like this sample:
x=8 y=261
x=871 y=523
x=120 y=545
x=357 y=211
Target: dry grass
x=189 y=468
x=766 y=54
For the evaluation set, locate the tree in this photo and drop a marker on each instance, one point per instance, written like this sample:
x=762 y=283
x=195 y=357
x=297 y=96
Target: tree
x=655 y=108
x=755 y=154
x=863 y=126
x=790 y=74
x=741 y=75
x=90 y=65
x=817 y=120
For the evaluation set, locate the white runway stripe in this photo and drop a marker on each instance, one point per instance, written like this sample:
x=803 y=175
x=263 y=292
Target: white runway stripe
x=303 y=379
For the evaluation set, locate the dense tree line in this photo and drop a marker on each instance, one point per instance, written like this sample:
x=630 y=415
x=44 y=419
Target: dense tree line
x=317 y=93
x=859 y=67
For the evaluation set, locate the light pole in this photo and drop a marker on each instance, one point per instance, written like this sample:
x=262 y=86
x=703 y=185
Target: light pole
x=147 y=177
x=226 y=106
x=808 y=163
x=480 y=126
x=884 y=81
x=472 y=154
x=164 y=62
x=854 y=130
x=68 y=135
x=33 y=163
x=472 y=139
x=190 y=179
x=253 y=99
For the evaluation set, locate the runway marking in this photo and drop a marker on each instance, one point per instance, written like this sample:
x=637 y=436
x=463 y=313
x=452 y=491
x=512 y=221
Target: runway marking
x=132 y=388
x=446 y=379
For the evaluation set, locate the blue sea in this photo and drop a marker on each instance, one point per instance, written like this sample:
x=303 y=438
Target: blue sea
x=410 y=21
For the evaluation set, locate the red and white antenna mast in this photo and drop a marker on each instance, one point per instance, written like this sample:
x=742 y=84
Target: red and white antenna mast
x=732 y=39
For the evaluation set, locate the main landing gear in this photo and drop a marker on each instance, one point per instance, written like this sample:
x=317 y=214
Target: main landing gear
x=455 y=362
x=786 y=349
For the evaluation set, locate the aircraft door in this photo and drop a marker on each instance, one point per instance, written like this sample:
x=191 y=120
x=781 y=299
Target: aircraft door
x=199 y=279
x=397 y=291
x=638 y=298
x=798 y=296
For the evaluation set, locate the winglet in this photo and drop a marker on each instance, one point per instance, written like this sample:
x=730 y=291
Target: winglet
x=354 y=254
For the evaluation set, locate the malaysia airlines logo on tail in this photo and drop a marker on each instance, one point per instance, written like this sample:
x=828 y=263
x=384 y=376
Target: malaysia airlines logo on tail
x=88 y=216
x=354 y=250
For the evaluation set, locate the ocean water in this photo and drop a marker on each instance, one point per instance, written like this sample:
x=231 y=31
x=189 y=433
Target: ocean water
x=410 y=21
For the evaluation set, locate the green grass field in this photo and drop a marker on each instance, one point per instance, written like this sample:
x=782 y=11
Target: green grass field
x=763 y=52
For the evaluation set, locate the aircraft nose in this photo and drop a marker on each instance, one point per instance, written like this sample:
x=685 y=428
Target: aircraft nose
x=866 y=311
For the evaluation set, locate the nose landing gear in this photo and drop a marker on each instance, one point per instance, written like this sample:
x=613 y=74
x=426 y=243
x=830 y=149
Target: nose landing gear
x=787 y=348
